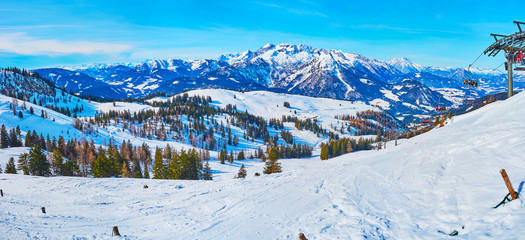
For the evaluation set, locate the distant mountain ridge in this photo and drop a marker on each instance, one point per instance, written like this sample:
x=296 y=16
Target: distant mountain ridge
x=297 y=69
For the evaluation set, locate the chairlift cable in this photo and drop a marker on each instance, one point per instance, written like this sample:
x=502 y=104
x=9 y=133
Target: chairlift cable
x=470 y=65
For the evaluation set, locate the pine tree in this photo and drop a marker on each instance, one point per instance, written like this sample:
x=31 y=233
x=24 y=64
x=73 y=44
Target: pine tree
x=174 y=170
x=229 y=136
x=193 y=165
x=146 y=171
x=206 y=172
x=235 y=140
x=14 y=141
x=272 y=165
x=230 y=157
x=102 y=167
x=242 y=172
x=324 y=151
x=4 y=138
x=159 y=170
x=10 y=166
x=115 y=161
x=37 y=162
x=240 y=156
x=222 y=156
x=138 y=172
x=70 y=168
x=167 y=152
x=273 y=155
x=124 y=172
x=57 y=162
x=23 y=163
x=185 y=165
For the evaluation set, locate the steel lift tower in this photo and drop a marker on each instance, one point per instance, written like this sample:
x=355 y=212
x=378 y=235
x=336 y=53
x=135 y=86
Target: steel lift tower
x=510 y=44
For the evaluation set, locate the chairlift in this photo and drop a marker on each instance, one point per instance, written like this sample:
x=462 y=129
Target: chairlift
x=439 y=107
x=470 y=79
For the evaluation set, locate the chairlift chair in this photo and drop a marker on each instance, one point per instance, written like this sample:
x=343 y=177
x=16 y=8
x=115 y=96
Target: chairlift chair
x=440 y=107
x=470 y=79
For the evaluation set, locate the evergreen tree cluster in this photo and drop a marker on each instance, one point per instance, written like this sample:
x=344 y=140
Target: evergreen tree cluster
x=179 y=165
x=311 y=125
x=24 y=88
x=82 y=158
x=34 y=163
x=293 y=151
x=85 y=127
x=66 y=110
x=336 y=148
x=10 y=139
x=368 y=122
x=275 y=123
x=27 y=73
x=287 y=136
x=23 y=84
x=224 y=156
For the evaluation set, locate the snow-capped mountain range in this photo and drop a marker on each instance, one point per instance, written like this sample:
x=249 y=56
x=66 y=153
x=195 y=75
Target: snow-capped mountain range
x=297 y=69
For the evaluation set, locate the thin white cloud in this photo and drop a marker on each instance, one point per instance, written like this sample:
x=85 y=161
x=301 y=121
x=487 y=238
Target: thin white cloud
x=297 y=11
x=409 y=30
x=21 y=43
x=22 y=27
x=191 y=53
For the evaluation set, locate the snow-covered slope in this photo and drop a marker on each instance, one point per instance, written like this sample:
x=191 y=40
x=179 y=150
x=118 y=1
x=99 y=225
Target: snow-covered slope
x=271 y=105
x=424 y=188
x=405 y=65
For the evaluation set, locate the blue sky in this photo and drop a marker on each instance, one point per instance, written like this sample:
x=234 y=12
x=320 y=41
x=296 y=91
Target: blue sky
x=42 y=33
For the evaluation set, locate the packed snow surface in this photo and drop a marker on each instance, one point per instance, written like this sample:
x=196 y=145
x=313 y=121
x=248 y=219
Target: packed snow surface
x=425 y=188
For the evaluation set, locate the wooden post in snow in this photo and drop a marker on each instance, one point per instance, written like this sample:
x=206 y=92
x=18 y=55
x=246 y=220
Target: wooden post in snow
x=1 y=193
x=509 y=185
x=396 y=138
x=115 y=231
x=302 y=237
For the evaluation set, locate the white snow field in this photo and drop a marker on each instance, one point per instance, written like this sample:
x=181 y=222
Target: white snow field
x=425 y=188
